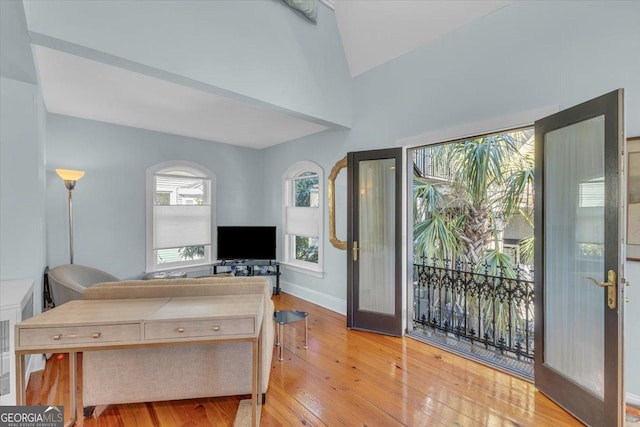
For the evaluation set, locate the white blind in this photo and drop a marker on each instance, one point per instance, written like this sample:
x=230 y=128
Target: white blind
x=303 y=221
x=181 y=225
x=591 y=193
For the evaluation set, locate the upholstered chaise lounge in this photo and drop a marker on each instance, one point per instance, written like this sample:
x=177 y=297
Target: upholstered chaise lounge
x=181 y=372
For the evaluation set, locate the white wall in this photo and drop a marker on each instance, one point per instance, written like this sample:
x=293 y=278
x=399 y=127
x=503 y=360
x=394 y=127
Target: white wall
x=260 y=50
x=109 y=201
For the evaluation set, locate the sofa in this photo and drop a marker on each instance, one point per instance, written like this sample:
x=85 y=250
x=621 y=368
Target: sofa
x=176 y=372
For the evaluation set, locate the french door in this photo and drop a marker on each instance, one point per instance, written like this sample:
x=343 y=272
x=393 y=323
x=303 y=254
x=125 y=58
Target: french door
x=374 y=239
x=579 y=304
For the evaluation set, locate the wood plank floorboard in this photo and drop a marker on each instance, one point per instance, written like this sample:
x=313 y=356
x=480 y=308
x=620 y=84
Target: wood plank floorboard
x=344 y=378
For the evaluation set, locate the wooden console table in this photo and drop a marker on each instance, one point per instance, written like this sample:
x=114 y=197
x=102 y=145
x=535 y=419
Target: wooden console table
x=94 y=325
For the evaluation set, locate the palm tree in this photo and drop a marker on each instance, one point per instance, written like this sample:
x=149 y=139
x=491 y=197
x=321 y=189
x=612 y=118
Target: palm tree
x=463 y=217
x=490 y=182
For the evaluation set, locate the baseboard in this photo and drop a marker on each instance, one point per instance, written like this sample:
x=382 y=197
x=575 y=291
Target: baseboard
x=323 y=300
x=36 y=363
x=633 y=399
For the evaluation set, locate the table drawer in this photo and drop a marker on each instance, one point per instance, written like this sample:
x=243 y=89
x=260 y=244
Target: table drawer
x=57 y=337
x=198 y=328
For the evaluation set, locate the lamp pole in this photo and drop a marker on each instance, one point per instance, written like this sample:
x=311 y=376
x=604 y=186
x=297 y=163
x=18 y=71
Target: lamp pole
x=70 y=186
x=70 y=178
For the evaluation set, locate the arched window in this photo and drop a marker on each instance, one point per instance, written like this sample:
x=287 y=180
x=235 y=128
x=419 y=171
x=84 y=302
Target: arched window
x=180 y=215
x=303 y=219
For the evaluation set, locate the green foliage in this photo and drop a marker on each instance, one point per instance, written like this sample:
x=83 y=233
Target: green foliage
x=163 y=199
x=491 y=182
x=478 y=163
x=307 y=249
x=191 y=252
x=496 y=263
x=527 y=246
x=305 y=186
x=437 y=236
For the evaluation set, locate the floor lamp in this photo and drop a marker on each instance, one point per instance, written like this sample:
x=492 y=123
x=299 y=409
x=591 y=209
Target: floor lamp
x=70 y=178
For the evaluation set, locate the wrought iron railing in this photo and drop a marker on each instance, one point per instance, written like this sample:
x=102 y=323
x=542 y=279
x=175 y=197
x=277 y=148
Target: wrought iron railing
x=426 y=166
x=463 y=300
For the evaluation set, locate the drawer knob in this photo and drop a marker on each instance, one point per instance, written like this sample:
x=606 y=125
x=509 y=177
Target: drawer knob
x=96 y=335
x=216 y=328
x=180 y=330
x=57 y=337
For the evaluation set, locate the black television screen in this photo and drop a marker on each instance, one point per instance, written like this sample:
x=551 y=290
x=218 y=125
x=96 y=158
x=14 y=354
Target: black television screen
x=246 y=242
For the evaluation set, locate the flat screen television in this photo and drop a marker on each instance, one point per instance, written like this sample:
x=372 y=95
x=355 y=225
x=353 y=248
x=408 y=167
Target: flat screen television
x=247 y=242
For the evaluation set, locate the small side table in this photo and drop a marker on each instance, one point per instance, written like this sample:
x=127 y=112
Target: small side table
x=283 y=317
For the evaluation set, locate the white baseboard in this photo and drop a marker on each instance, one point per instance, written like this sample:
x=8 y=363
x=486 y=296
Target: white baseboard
x=323 y=300
x=633 y=399
x=35 y=363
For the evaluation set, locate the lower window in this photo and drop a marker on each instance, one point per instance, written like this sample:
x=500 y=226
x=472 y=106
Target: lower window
x=306 y=249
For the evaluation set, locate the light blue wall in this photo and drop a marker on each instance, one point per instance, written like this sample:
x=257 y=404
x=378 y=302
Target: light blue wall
x=258 y=49
x=22 y=183
x=525 y=56
x=16 y=61
x=324 y=149
x=22 y=178
x=109 y=201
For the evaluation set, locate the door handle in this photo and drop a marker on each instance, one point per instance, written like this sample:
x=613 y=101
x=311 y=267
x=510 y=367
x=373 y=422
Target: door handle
x=610 y=284
x=355 y=250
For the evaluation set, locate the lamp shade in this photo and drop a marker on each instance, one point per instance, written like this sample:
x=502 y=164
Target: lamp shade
x=69 y=174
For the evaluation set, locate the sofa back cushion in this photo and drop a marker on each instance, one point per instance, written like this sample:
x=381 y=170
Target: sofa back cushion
x=162 y=288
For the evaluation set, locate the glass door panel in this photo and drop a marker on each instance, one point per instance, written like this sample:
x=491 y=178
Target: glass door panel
x=376 y=266
x=578 y=255
x=374 y=236
x=574 y=251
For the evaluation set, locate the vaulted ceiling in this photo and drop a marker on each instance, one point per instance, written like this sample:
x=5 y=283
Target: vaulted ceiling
x=372 y=33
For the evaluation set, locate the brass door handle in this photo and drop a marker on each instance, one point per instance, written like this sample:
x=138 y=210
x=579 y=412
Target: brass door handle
x=340 y=244
x=610 y=284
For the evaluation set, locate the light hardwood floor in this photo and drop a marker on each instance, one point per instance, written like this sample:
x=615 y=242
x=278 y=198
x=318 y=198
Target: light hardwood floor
x=345 y=378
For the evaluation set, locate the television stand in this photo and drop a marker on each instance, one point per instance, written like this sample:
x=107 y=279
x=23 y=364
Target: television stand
x=250 y=267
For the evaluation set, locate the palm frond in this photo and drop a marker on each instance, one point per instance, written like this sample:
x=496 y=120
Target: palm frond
x=437 y=236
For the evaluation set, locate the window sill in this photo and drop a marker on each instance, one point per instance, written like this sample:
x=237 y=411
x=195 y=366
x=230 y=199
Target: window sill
x=299 y=269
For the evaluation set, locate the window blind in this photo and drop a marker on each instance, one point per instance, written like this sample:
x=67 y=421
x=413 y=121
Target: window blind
x=181 y=225
x=303 y=221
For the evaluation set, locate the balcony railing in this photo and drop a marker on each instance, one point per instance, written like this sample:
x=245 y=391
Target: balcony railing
x=464 y=301
x=426 y=166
